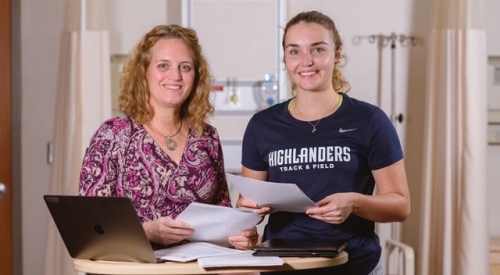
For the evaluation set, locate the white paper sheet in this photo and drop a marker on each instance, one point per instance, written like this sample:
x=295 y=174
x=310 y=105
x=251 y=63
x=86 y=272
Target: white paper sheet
x=243 y=259
x=280 y=196
x=214 y=223
x=192 y=251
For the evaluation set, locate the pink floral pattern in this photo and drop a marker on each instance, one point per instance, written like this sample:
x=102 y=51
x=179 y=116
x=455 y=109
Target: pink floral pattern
x=124 y=160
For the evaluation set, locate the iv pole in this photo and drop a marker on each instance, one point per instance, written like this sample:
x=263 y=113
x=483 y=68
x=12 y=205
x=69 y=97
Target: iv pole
x=395 y=227
x=383 y=41
x=391 y=40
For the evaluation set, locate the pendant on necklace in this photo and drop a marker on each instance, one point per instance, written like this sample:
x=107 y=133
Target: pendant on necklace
x=314 y=129
x=170 y=144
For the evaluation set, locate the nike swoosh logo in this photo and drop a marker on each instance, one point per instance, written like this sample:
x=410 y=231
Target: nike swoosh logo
x=347 y=130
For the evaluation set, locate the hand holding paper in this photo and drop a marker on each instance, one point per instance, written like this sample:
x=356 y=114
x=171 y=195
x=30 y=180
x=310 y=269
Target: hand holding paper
x=214 y=223
x=280 y=196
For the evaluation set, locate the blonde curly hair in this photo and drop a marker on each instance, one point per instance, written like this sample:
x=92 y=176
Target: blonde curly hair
x=134 y=90
x=339 y=82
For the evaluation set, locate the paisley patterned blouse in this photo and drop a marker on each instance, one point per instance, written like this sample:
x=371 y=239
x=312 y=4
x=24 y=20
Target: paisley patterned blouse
x=124 y=160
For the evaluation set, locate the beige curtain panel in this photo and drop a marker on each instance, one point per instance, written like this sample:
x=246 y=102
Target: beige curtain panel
x=83 y=103
x=454 y=223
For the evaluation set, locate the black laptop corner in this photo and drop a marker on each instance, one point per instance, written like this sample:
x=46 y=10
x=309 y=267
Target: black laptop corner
x=300 y=248
x=100 y=228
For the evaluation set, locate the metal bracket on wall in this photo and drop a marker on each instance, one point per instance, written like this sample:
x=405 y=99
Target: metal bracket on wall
x=390 y=40
x=50 y=152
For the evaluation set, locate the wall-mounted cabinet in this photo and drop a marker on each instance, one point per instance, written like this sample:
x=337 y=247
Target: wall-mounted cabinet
x=239 y=38
x=493 y=79
x=492 y=30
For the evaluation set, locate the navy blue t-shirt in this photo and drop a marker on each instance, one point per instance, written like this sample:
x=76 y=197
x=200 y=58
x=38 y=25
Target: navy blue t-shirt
x=338 y=157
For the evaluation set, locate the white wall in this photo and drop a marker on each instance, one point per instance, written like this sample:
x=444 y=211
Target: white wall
x=41 y=26
x=129 y=20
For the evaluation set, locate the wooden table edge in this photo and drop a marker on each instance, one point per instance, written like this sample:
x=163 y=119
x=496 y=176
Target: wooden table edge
x=178 y=268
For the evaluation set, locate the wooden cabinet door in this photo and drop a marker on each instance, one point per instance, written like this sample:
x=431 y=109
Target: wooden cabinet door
x=5 y=141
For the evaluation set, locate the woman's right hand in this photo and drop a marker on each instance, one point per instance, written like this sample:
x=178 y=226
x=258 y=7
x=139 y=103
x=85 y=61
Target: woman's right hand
x=245 y=203
x=166 y=230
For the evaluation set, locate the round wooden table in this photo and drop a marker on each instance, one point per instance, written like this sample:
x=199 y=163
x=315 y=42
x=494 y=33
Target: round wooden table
x=177 y=268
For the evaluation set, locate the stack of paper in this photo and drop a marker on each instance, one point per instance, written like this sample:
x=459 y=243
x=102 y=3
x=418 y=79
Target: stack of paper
x=243 y=259
x=210 y=255
x=195 y=250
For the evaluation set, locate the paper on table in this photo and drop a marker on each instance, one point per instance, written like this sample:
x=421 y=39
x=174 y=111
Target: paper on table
x=215 y=223
x=280 y=196
x=192 y=251
x=241 y=259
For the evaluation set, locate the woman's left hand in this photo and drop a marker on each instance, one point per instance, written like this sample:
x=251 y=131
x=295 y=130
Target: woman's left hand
x=246 y=240
x=334 y=209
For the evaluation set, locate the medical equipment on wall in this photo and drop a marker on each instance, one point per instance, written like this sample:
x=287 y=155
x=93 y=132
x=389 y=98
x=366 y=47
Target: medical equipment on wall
x=245 y=96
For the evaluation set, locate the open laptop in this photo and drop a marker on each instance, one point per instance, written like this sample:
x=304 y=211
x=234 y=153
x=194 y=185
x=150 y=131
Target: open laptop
x=100 y=228
x=300 y=248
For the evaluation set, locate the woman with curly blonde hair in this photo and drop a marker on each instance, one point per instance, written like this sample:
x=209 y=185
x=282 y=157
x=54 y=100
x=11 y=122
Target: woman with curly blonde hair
x=135 y=96
x=161 y=152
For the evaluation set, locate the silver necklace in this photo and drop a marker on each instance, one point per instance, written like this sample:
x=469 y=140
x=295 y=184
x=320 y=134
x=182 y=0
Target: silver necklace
x=169 y=142
x=312 y=124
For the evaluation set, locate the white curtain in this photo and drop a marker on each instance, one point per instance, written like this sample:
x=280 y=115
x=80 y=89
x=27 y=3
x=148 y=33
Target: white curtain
x=454 y=223
x=83 y=102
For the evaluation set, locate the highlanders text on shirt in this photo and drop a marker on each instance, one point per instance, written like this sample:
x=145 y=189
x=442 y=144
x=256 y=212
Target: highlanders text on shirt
x=309 y=155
